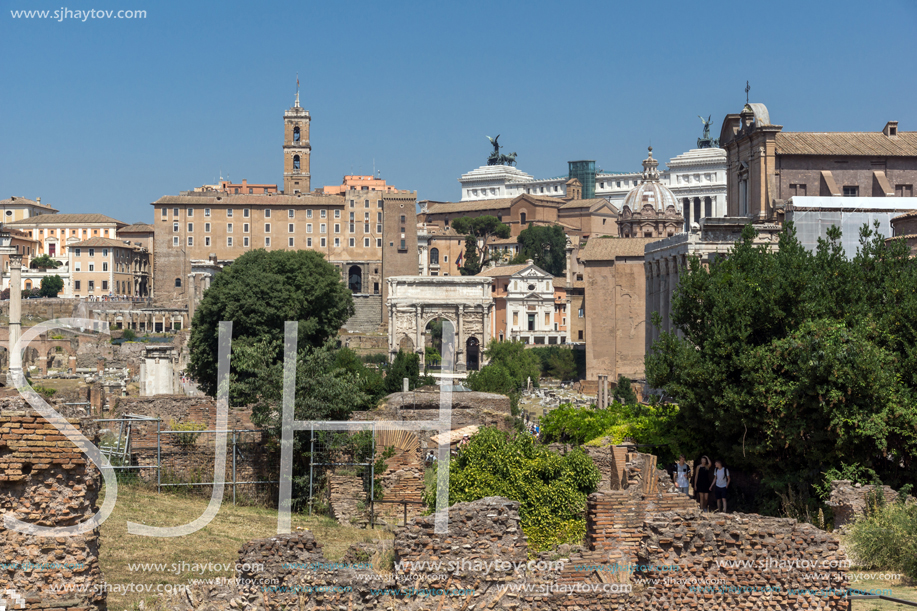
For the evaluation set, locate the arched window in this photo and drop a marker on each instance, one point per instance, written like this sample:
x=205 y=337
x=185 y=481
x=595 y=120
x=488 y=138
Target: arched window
x=295 y=162
x=522 y=218
x=434 y=256
x=178 y=283
x=296 y=134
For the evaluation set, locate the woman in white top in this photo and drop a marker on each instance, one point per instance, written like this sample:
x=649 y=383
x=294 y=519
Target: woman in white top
x=720 y=484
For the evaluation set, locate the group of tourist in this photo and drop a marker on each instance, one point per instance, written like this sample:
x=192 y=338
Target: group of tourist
x=534 y=429
x=707 y=480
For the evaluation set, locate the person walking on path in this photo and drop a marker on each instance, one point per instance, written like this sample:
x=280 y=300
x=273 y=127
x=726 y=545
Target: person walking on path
x=702 y=482
x=682 y=475
x=720 y=484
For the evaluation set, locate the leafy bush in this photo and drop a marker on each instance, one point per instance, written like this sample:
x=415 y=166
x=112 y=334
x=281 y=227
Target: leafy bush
x=129 y=335
x=557 y=362
x=624 y=392
x=508 y=372
x=855 y=473
x=887 y=538
x=44 y=391
x=551 y=489
x=191 y=432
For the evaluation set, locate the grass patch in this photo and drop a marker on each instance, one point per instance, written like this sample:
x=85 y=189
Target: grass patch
x=216 y=543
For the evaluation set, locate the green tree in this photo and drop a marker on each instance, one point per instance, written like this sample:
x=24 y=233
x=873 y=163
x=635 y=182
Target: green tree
x=259 y=292
x=551 y=489
x=790 y=362
x=479 y=230
x=51 y=286
x=507 y=373
x=624 y=392
x=405 y=365
x=546 y=247
x=44 y=262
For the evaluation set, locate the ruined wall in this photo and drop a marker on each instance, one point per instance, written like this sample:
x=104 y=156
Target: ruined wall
x=193 y=462
x=46 y=480
x=848 y=500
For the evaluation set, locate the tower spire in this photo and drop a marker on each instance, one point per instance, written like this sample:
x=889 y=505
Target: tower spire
x=297 y=90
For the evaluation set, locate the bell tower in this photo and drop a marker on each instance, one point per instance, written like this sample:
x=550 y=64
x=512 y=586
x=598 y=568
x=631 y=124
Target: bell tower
x=296 y=148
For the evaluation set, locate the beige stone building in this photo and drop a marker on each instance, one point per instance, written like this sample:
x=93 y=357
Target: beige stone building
x=18 y=208
x=104 y=268
x=367 y=234
x=56 y=232
x=528 y=305
x=615 y=311
x=767 y=166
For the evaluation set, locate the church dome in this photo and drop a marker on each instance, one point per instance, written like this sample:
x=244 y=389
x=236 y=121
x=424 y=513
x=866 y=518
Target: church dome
x=650 y=190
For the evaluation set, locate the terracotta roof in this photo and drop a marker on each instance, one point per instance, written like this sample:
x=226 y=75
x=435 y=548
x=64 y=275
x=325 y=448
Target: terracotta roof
x=847 y=143
x=502 y=270
x=502 y=241
x=606 y=249
x=137 y=228
x=488 y=204
x=584 y=203
x=63 y=219
x=484 y=204
x=906 y=215
x=222 y=199
x=100 y=243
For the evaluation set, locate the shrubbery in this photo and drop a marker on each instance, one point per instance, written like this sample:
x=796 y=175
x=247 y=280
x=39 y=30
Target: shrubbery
x=551 y=489
x=886 y=537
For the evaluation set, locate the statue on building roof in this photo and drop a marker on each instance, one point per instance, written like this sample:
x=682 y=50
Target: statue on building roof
x=496 y=158
x=706 y=142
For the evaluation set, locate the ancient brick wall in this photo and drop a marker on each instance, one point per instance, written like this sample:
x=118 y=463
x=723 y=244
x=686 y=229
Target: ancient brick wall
x=46 y=480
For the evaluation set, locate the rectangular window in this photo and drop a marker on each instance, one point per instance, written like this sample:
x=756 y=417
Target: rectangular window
x=245 y=211
x=267 y=213
x=323 y=228
x=582 y=312
x=175 y=227
x=291 y=242
x=92 y=285
x=244 y=227
x=175 y=240
x=92 y=252
x=92 y=267
x=366 y=217
x=76 y=252
x=290 y=213
x=207 y=227
x=190 y=241
x=351 y=217
x=228 y=227
x=337 y=241
x=365 y=242
x=267 y=241
x=290 y=228
x=245 y=241
x=309 y=242
x=165 y=212
x=190 y=227
x=308 y=227
x=206 y=211
x=352 y=242
x=229 y=241
x=324 y=242
x=308 y=214
x=324 y=213
x=105 y=285
x=104 y=252
x=378 y=228
x=378 y=242
x=229 y=212
x=76 y=283
x=174 y=211
x=402 y=247
x=378 y=217
x=190 y=212
x=351 y=203
x=337 y=228
x=267 y=228
x=337 y=214
x=352 y=228
x=379 y=204
x=366 y=228
x=366 y=203
x=853 y=191
x=76 y=266
x=207 y=241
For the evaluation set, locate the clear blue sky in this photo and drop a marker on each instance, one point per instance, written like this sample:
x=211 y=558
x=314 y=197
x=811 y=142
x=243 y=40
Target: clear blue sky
x=108 y=115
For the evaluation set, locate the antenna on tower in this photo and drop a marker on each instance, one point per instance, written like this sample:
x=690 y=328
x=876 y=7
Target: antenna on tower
x=297 y=90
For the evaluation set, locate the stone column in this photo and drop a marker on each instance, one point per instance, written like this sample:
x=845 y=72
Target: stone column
x=418 y=324
x=487 y=330
x=15 y=372
x=664 y=294
x=460 y=338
